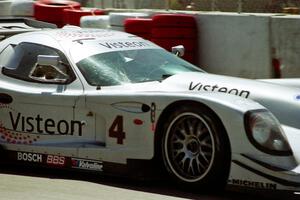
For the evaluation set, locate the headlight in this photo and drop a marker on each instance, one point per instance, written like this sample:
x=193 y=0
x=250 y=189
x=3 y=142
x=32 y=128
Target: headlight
x=264 y=132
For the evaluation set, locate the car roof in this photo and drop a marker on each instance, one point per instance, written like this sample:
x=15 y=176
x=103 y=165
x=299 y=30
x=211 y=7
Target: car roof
x=10 y=26
x=76 y=33
x=63 y=38
x=68 y=34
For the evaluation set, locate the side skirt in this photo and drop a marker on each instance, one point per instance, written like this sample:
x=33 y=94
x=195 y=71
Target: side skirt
x=136 y=169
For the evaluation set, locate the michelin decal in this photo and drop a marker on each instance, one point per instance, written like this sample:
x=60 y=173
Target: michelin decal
x=253 y=184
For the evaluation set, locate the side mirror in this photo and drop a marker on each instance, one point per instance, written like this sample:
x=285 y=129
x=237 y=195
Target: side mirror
x=178 y=50
x=48 y=60
x=47 y=70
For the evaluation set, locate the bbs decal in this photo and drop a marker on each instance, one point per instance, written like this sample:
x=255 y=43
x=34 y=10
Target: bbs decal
x=56 y=160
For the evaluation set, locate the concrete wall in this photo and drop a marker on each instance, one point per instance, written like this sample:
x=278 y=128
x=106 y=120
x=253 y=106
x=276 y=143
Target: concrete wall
x=129 y=4
x=244 y=45
x=285 y=44
x=234 y=44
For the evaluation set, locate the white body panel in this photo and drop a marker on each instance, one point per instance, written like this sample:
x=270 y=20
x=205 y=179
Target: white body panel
x=78 y=120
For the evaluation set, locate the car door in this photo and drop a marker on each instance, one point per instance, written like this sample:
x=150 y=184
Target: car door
x=46 y=109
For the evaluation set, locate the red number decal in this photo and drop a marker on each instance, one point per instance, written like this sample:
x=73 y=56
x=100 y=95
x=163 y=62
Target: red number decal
x=116 y=130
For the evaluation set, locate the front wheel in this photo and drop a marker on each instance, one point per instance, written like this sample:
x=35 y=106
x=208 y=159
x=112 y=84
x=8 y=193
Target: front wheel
x=195 y=147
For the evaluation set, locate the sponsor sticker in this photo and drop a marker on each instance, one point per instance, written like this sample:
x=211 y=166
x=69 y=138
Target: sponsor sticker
x=87 y=164
x=216 y=88
x=56 y=160
x=253 y=184
x=297 y=97
x=29 y=157
x=39 y=125
x=124 y=44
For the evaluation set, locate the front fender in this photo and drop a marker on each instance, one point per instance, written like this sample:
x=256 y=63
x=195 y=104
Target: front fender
x=229 y=109
x=289 y=82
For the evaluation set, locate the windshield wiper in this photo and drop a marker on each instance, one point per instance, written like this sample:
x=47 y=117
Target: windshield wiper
x=164 y=76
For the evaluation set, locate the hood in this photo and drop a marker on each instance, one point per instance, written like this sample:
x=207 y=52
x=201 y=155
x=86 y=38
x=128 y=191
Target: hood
x=290 y=82
x=282 y=101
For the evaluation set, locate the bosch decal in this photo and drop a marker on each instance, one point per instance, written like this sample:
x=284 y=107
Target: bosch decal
x=87 y=164
x=40 y=125
x=30 y=157
x=252 y=184
x=215 y=88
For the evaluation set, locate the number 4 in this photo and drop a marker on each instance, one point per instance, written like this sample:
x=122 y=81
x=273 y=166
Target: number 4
x=116 y=129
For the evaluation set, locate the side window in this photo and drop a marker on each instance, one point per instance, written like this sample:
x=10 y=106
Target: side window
x=37 y=63
x=6 y=54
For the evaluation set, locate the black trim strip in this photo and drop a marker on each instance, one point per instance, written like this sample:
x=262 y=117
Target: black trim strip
x=266 y=165
x=267 y=176
x=5 y=98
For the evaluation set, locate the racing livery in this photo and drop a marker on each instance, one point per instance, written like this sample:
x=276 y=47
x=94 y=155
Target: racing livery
x=102 y=100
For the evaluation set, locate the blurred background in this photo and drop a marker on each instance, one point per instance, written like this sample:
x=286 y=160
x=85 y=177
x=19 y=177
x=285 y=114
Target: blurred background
x=253 y=6
x=243 y=38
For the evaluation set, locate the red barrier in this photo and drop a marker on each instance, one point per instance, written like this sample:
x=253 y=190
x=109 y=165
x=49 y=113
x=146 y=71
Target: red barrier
x=174 y=20
x=174 y=32
x=72 y=16
x=52 y=10
x=139 y=26
x=170 y=30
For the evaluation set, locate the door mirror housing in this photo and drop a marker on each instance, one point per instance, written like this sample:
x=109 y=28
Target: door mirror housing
x=47 y=70
x=48 y=60
x=178 y=50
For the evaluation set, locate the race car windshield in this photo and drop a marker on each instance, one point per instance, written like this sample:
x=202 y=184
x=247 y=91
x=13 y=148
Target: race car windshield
x=132 y=66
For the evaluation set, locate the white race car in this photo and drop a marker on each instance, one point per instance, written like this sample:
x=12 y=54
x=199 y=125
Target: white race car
x=111 y=102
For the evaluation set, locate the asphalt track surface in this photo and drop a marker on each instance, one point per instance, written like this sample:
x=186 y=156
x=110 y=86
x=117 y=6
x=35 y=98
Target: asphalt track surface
x=22 y=183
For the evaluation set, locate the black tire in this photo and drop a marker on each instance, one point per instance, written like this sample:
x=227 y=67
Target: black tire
x=195 y=148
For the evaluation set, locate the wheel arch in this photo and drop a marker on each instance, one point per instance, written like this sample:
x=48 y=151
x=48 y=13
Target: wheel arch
x=221 y=166
x=169 y=109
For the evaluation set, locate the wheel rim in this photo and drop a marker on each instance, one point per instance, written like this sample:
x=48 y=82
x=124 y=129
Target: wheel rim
x=189 y=147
